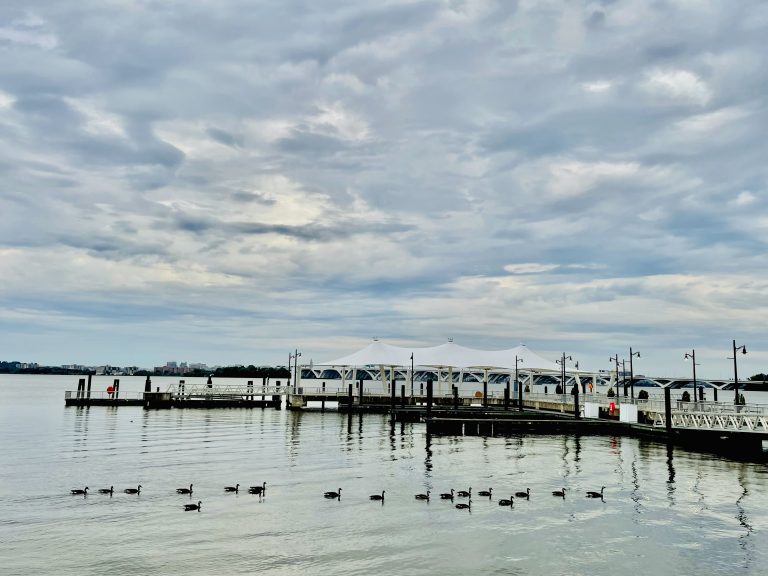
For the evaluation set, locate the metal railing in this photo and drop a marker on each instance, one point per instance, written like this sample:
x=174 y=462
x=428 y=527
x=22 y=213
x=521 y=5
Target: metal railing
x=101 y=395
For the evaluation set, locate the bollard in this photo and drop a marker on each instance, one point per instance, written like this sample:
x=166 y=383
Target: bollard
x=116 y=386
x=402 y=395
x=455 y=397
x=576 y=413
x=429 y=397
x=349 y=397
x=89 y=386
x=668 y=409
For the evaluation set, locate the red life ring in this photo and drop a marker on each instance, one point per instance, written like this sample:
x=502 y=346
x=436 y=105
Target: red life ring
x=611 y=408
x=110 y=389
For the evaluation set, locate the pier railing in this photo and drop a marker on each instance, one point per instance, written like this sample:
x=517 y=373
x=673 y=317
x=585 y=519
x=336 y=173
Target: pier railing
x=101 y=395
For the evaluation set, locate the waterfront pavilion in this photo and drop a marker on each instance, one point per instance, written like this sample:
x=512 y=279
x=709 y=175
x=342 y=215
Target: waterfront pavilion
x=445 y=359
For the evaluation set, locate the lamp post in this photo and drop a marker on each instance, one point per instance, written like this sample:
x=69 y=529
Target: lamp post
x=743 y=349
x=295 y=358
x=692 y=356
x=561 y=361
x=519 y=387
x=631 y=372
x=624 y=375
x=411 y=374
x=615 y=358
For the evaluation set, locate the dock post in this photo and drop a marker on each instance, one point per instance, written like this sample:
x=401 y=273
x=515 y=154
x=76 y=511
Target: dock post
x=429 y=397
x=576 y=413
x=249 y=388
x=89 y=386
x=519 y=394
x=485 y=391
x=349 y=397
x=116 y=387
x=148 y=385
x=402 y=395
x=361 y=391
x=506 y=398
x=455 y=397
x=714 y=391
x=393 y=394
x=668 y=409
x=80 y=387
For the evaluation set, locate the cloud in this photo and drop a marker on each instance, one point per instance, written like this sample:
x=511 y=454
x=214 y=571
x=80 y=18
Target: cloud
x=285 y=175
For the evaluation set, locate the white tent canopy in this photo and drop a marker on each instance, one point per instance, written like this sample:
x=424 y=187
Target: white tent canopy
x=445 y=355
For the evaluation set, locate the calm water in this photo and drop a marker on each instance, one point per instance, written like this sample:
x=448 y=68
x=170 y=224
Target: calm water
x=665 y=512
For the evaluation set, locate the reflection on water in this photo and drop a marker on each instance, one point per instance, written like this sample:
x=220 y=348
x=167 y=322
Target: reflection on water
x=666 y=510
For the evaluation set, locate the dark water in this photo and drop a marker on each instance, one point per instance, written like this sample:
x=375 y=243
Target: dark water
x=665 y=511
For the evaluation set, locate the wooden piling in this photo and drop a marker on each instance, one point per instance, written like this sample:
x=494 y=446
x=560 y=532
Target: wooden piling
x=81 y=387
x=485 y=390
x=88 y=394
x=576 y=412
x=506 y=398
x=147 y=385
x=714 y=391
x=668 y=409
x=116 y=387
x=455 y=397
x=393 y=394
x=429 y=397
x=402 y=395
x=350 y=398
x=361 y=391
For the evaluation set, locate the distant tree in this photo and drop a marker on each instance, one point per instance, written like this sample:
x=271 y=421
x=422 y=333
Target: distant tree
x=759 y=377
x=610 y=393
x=686 y=397
x=642 y=395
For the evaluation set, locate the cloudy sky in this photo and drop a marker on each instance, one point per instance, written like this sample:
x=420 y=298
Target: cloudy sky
x=226 y=181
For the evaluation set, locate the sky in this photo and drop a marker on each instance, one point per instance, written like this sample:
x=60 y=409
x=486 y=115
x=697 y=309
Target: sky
x=225 y=182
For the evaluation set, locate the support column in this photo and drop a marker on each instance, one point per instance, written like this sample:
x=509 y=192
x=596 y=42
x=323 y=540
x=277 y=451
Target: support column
x=668 y=409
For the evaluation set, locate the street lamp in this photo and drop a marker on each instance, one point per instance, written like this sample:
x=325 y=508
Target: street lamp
x=561 y=361
x=743 y=349
x=615 y=358
x=295 y=358
x=692 y=356
x=631 y=372
x=519 y=387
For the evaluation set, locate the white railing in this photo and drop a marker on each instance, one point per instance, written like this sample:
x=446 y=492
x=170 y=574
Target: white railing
x=101 y=395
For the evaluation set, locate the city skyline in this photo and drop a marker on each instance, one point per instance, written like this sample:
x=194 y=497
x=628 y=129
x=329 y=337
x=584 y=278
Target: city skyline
x=228 y=181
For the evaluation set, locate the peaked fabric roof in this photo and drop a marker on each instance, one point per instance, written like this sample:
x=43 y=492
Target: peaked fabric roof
x=378 y=353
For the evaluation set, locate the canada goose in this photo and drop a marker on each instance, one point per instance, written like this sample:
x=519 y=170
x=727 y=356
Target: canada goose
x=464 y=493
x=505 y=502
x=258 y=489
x=446 y=495
x=560 y=493
x=133 y=490
x=485 y=492
x=467 y=506
x=526 y=494
x=235 y=488
x=422 y=496
x=377 y=496
x=184 y=490
x=189 y=507
x=80 y=492
x=591 y=494
x=109 y=490
x=333 y=494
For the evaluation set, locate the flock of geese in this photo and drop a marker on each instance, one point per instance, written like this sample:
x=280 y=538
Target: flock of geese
x=468 y=494
x=336 y=495
x=258 y=490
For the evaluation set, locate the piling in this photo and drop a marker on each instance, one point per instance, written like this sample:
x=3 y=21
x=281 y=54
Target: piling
x=506 y=398
x=576 y=413
x=519 y=394
x=393 y=395
x=210 y=382
x=455 y=397
x=349 y=397
x=402 y=395
x=88 y=395
x=147 y=385
x=116 y=387
x=485 y=391
x=668 y=409
x=80 y=387
x=361 y=391
x=429 y=397
x=714 y=391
